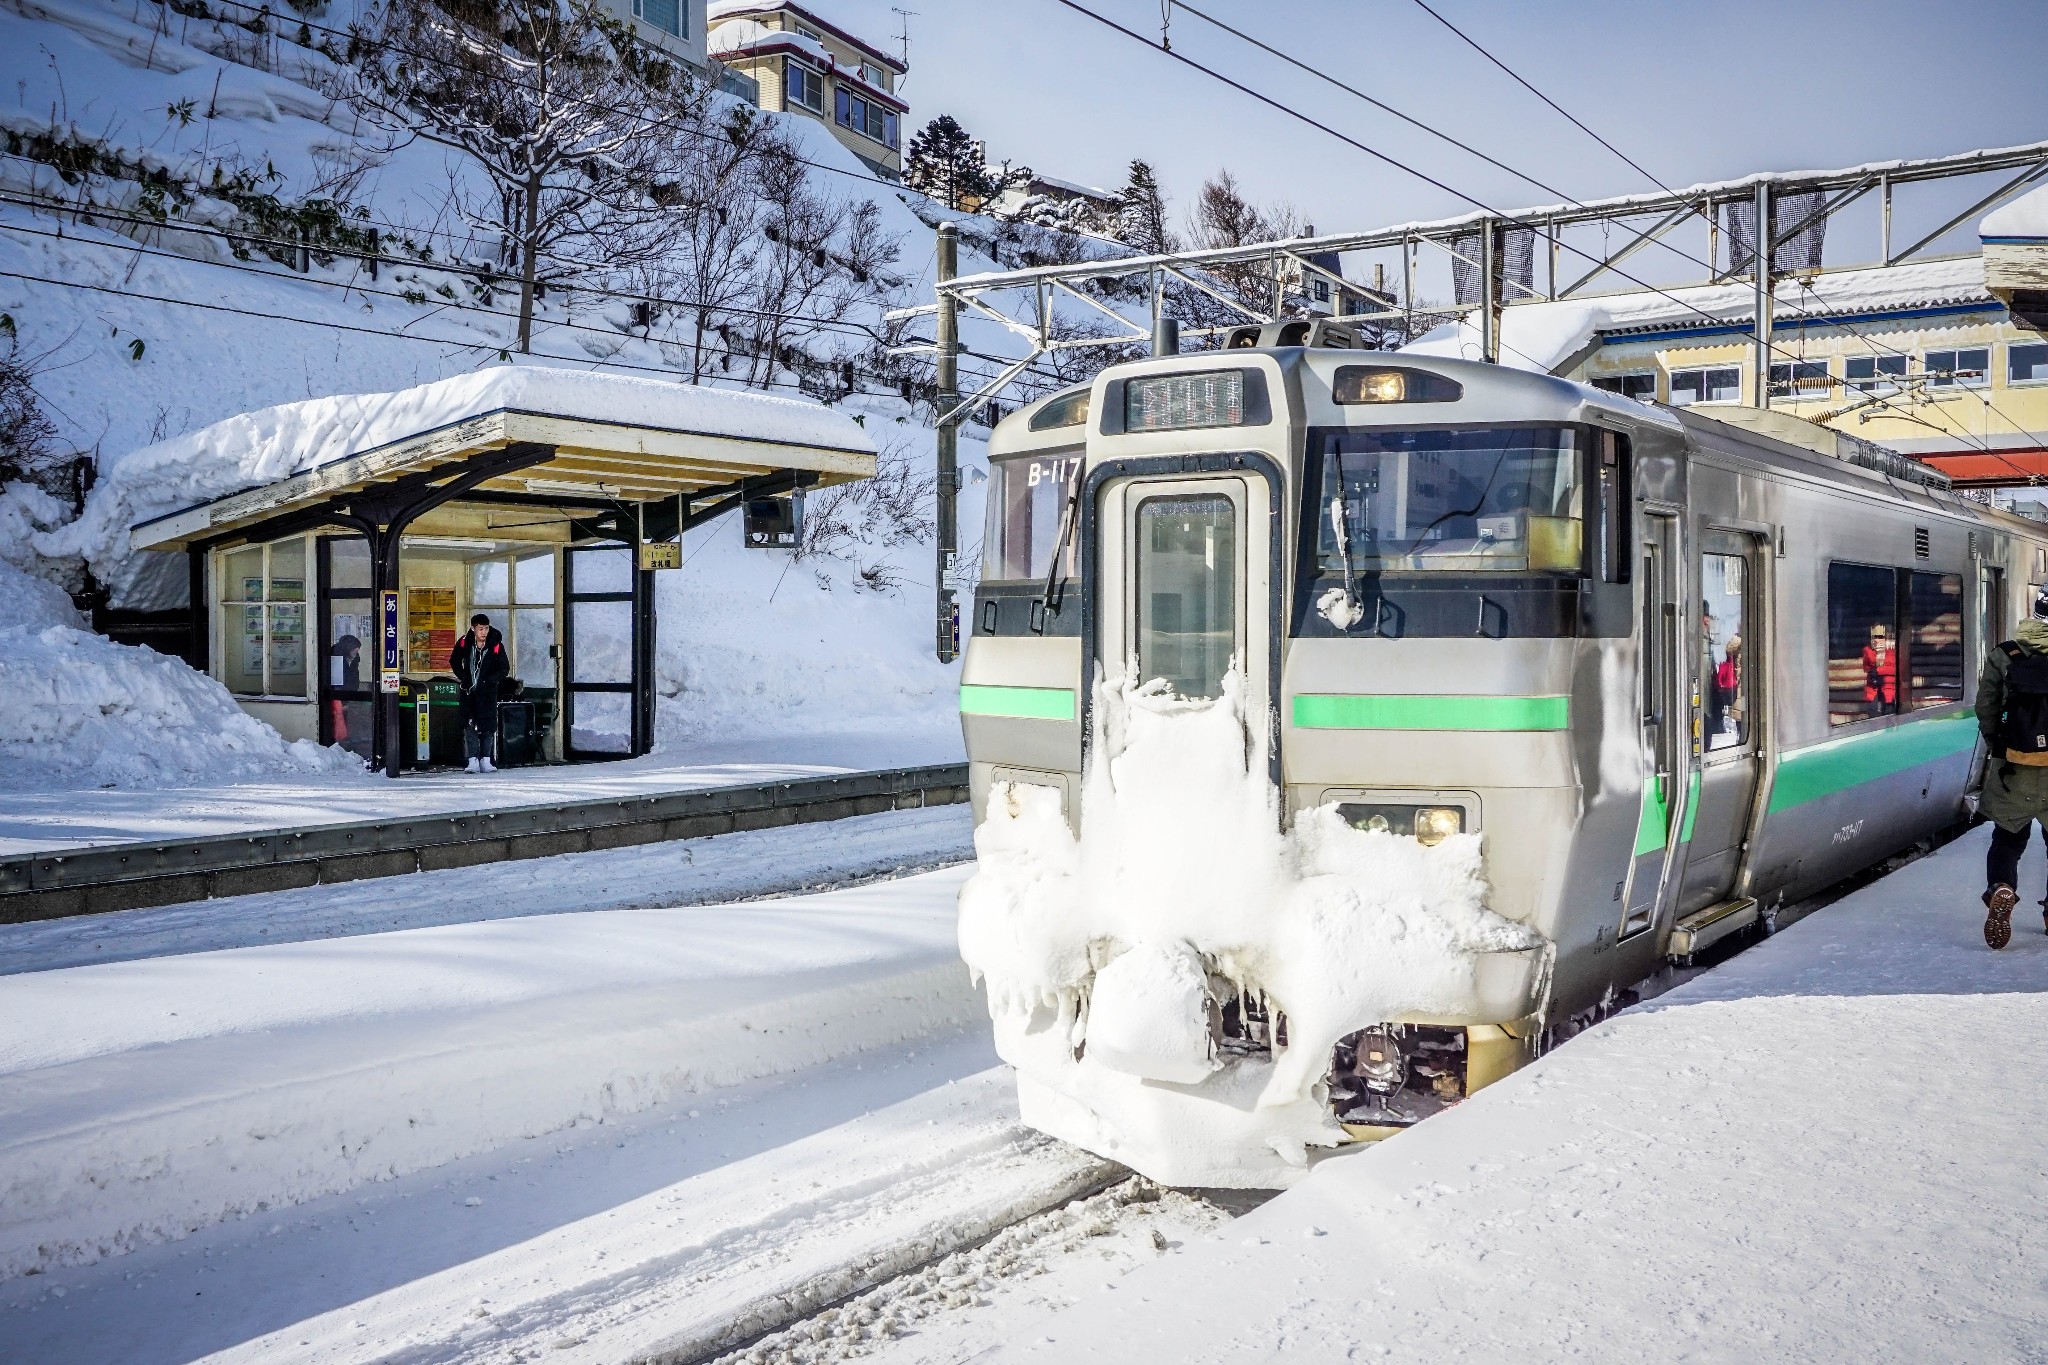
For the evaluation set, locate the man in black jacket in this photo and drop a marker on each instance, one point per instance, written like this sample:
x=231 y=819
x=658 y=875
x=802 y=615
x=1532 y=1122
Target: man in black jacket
x=479 y=664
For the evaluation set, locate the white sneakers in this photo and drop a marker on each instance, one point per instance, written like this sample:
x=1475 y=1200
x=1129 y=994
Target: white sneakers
x=472 y=767
x=481 y=765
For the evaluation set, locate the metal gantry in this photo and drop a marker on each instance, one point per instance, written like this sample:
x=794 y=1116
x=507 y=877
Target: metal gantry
x=1473 y=240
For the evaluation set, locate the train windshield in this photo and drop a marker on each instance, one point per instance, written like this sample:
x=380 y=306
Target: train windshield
x=1487 y=499
x=1030 y=503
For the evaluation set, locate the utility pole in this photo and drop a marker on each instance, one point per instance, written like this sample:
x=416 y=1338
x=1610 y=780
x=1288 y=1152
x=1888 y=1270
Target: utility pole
x=948 y=345
x=1489 y=294
x=1761 y=247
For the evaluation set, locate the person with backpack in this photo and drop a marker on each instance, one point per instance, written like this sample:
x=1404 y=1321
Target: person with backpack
x=479 y=665
x=2012 y=714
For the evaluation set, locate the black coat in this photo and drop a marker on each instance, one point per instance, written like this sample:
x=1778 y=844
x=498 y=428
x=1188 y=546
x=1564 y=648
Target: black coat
x=489 y=670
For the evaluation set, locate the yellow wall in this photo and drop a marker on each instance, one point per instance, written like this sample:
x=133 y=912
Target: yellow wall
x=768 y=70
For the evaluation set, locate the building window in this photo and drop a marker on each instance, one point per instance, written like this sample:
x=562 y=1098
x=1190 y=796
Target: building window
x=874 y=75
x=865 y=117
x=1641 y=386
x=1720 y=384
x=1960 y=368
x=1874 y=373
x=518 y=593
x=666 y=15
x=1800 y=379
x=806 y=86
x=263 y=620
x=2026 y=364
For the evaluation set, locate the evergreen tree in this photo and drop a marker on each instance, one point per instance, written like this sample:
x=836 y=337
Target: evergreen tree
x=947 y=164
x=1141 y=213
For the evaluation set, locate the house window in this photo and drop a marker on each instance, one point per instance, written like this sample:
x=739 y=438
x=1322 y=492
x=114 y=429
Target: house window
x=865 y=117
x=666 y=15
x=1874 y=373
x=1720 y=384
x=2026 y=364
x=1321 y=289
x=1960 y=368
x=874 y=75
x=806 y=86
x=1800 y=379
x=263 y=619
x=1641 y=386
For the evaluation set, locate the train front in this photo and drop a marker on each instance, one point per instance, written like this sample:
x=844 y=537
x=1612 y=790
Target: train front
x=1275 y=697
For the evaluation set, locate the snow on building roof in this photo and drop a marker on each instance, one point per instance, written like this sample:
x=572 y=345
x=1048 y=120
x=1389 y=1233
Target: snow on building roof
x=1545 y=336
x=824 y=14
x=2024 y=217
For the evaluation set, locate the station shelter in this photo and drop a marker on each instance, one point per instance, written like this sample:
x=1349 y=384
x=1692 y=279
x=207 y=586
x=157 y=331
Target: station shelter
x=328 y=602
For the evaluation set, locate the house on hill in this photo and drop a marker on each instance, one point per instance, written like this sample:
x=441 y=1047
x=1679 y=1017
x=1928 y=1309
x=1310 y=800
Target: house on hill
x=806 y=64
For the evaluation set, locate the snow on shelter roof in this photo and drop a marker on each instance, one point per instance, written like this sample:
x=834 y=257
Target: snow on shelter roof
x=613 y=437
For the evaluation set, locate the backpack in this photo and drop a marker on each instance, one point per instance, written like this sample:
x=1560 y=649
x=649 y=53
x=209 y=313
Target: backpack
x=2025 y=732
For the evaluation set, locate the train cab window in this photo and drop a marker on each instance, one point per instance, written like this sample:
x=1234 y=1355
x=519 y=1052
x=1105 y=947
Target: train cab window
x=1488 y=499
x=1724 y=680
x=1934 y=651
x=1863 y=646
x=1030 y=502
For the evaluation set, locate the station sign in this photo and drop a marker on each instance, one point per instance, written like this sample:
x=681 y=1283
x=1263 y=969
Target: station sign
x=387 y=680
x=661 y=554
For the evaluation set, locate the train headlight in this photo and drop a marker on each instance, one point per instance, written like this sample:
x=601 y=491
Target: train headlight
x=1434 y=824
x=1380 y=1062
x=1382 y=386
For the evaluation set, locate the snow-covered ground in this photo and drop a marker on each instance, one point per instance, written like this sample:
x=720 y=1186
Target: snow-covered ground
x=144 y=1099
x=36 y=820
x=1827 y=1149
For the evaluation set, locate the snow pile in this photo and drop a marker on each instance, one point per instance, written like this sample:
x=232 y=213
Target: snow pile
x=2026 y=216
x=78 y=710
x=260 y=447
x=1183 y=870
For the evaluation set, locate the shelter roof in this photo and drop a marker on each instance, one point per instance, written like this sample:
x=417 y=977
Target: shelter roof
x=609 y=439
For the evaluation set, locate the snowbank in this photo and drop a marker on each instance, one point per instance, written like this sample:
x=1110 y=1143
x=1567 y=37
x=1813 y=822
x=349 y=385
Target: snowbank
x=1183 y=890
x=78 y=710
x=142 y=1100
x=1828 y=1149
x=261 y=447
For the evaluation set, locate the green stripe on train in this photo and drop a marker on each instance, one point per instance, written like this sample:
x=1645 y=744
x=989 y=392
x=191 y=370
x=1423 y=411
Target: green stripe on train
x=1031 y=703
x=1839 y=764
x=1333 y=711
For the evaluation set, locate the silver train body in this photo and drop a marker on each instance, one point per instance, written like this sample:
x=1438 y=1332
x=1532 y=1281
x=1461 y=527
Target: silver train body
x=1436 y=641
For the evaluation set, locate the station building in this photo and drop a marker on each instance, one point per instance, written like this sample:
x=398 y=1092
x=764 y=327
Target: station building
x=328 y=601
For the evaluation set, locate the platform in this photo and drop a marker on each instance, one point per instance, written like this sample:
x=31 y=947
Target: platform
x=1830 y=1148
x=68 y=853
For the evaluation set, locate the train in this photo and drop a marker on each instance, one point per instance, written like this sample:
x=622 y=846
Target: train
x=1673 y=667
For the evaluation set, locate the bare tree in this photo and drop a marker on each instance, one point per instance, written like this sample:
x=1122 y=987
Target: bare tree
x=1223 y=217
x=537 y=93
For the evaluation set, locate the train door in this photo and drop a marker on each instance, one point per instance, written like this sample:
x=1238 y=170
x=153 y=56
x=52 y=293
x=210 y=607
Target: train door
x=1729 y=674
x=1188 y=558
x=1664 y=732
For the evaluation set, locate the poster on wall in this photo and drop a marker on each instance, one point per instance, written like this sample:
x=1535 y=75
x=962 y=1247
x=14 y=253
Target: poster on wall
x=430 y=622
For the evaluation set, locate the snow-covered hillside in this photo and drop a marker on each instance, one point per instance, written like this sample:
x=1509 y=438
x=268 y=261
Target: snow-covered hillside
x=168 y=129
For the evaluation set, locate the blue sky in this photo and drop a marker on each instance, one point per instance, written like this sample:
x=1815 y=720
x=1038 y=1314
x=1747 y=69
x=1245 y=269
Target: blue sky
x=1693 y=92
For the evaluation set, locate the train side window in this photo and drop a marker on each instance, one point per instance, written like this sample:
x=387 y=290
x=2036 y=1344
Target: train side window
x=1615 y=479
x=1863 y=646
x=1934 y=650
x=1724 y=684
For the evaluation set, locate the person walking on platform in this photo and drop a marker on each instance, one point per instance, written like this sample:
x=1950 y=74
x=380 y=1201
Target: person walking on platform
x=479 y=665
x=2012 y=714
